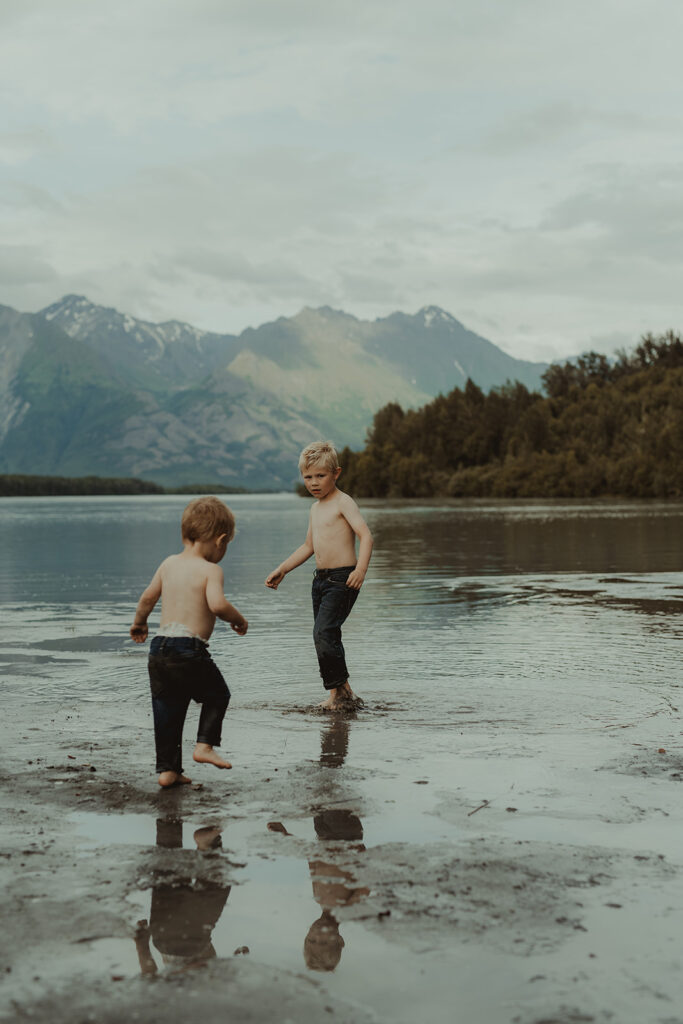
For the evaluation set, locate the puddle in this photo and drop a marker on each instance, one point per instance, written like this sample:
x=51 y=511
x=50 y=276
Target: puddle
x=113 y=958
x=394 y=824
x=285 y=911
x=277 y=919
x=95 y=830
x=657 y=836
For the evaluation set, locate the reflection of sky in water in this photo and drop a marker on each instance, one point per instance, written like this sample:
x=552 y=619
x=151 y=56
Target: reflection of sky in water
x=470 y=611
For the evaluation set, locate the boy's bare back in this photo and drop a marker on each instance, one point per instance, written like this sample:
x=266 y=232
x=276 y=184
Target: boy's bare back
x=190 y=586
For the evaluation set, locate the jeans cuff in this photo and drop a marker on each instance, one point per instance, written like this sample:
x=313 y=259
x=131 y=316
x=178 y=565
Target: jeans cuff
x=339 y=682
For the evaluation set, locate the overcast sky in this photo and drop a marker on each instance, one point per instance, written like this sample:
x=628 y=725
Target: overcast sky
x=225 y=162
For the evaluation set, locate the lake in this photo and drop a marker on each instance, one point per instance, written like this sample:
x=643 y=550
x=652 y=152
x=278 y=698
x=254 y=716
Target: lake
x=520 y=663
x=461 y=601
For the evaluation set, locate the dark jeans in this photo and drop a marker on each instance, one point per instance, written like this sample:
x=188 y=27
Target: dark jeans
x=332 y=602
x=180 y=670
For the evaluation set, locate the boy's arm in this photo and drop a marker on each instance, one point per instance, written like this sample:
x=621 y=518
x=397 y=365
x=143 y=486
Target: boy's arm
x=298 y=557
x=353 y=516
x=219 y=604
x=149 y=598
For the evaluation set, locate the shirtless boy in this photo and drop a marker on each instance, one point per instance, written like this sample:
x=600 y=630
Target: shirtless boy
x=190 y=585
x=335 y=522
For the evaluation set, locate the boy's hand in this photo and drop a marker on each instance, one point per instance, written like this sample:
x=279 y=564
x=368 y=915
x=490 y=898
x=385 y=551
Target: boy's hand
x=139 y=631
x=275 y=579
x=355 y=580
x=240 y=627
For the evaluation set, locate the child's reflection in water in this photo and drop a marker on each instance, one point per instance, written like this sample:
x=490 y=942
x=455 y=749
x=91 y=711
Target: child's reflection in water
x=334 y=741
x=332 y=885
x=182 y=916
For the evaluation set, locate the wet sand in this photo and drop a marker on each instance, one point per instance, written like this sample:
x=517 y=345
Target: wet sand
x=354 y=869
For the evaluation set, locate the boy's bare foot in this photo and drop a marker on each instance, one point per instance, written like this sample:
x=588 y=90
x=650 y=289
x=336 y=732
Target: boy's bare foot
x=207 y=838
x=167 y=779
x=341 y=697
x=332 y=703
x=142 y=933
x=277 y=826
x=205 y=754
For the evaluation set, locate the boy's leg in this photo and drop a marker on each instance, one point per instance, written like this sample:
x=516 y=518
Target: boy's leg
x=211 y=691
x=332 y=603
x=169 y=718
x=170 y=701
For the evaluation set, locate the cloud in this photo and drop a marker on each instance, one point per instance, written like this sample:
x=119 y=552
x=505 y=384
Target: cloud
x=26 y=198
x=638 y=210
x=18 y=147
x=271 y=276
x=24 y=265
x=226 y=162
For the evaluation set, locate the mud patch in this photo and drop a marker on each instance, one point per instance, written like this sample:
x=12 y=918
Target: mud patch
x=657 y=763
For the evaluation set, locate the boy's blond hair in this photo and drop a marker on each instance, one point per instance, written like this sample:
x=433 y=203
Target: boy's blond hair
x=322 y=452
x=207 y=518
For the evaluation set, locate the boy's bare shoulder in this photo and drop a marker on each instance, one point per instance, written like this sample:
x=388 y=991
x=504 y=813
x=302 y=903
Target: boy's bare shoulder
x=347 y=504
x=345 y=498
x=341 y=500
x=193 y=568
x=167 y=562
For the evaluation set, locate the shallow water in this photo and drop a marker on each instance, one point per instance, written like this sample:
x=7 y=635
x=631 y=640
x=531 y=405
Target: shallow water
x=460 y=599
x=486 y=633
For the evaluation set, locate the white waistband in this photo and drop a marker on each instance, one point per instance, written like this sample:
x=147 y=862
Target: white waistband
x=178 y=629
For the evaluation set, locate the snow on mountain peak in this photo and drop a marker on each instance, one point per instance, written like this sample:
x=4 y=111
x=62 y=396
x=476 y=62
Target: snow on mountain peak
x=72 y=304
x=432 y=314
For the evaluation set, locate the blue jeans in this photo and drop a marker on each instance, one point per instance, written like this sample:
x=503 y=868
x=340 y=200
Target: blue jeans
x=332 y=602
x=180 y=670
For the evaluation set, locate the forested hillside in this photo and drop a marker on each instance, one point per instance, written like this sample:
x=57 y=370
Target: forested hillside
x=20 y=485
x=601 y=429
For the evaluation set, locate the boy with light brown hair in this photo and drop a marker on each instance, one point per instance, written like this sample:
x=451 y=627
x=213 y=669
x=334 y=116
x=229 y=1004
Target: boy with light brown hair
x=334 y=524
x=190 y=585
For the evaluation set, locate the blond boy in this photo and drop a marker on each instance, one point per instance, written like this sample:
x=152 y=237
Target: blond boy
x=334 y=524
x=190 y=585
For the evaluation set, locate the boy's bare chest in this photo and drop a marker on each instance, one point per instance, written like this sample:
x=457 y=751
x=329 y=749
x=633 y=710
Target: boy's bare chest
x=326 y=519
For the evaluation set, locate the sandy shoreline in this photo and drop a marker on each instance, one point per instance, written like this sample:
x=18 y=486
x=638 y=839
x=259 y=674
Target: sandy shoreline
x=466 y=884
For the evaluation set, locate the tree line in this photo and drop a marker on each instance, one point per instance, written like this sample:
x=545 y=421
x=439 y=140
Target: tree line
x=16 y=485
x=24 y=485
x=601 y=428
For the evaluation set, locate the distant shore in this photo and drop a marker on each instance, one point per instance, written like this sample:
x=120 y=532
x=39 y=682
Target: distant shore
x=21 y=485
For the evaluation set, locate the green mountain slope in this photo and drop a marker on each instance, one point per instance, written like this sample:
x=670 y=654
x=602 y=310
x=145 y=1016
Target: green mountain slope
x=318 y=360
x=65 y=411
x=85 y=389
x=65 y=400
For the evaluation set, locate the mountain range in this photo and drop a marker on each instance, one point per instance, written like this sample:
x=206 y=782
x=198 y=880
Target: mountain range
x=88 y=390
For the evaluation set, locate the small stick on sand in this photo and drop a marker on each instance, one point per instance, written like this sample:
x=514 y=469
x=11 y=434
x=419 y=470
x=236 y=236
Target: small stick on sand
x=485 y=804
